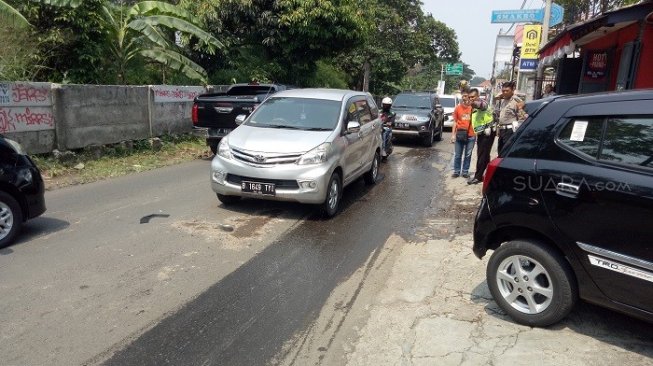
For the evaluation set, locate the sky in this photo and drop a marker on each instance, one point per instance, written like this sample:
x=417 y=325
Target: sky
x=471 y=21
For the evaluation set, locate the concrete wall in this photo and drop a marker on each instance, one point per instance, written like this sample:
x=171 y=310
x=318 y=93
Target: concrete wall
x=43 y=116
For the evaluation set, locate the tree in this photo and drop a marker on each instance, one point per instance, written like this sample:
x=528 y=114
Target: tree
x=12 y=16
x=151 y=29
x=103 y=41
x=277 y=40
x=580 y=10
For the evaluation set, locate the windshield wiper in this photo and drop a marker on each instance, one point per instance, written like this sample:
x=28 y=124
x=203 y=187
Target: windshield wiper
x=285 y=126
x=316 y=129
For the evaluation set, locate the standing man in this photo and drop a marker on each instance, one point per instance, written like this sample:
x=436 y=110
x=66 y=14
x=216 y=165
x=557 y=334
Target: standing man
x=463 y=136
x=509 y=114
x=483 y=122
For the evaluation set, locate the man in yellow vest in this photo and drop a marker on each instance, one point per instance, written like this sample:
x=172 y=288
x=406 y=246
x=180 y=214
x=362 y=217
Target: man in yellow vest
x=482 y=122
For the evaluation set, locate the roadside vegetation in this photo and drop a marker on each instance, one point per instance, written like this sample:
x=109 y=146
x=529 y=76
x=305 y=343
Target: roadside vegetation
x=89 y=165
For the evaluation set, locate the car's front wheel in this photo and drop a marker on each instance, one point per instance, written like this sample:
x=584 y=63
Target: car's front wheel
x=11 y=219
x=428 y=139
x=334 y=193
x=533 y=284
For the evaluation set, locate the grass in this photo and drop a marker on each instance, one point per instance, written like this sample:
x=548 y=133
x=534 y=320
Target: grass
x=117 y=161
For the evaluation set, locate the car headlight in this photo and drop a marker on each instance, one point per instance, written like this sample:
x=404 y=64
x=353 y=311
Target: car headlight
x=318 y=155
x=16 y=146
x=223 y=148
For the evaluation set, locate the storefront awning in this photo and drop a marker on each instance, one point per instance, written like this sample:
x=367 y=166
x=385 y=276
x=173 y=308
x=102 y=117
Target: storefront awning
x=565 y=42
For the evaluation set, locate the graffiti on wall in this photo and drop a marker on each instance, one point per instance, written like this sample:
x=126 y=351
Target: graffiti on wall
x=176 y=94
x=25 y=107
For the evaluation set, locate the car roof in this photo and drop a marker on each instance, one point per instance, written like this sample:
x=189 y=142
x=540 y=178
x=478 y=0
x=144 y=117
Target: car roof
x=611 y=96
x=417 y=92
x=320 y=93
x=447 y=96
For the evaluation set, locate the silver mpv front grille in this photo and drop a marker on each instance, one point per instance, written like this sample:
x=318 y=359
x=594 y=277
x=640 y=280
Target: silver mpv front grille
x=261 y=159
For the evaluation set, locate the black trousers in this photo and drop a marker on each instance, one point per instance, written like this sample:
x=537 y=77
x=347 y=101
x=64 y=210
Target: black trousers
x=504 y=135
x=483 y=147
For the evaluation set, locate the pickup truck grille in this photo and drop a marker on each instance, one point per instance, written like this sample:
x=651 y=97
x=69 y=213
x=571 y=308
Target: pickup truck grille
x=264 y=159
x=279 y=183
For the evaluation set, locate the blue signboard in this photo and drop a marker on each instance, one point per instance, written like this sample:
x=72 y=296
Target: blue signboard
x=527 y=64
x=529 y=15
x=515 y=16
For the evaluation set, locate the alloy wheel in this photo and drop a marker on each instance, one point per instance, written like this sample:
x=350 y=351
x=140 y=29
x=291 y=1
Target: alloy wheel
x=525 y=284
x=6 y=220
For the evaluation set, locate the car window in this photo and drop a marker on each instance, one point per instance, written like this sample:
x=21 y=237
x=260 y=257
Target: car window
x=374 y=109
x=583 y=134
x=629 y=140
x=296 y=113
x=412 y=101
x=363 y=111
x=448 y=102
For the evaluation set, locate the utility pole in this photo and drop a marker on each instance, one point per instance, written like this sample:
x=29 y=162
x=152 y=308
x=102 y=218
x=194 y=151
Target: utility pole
x=545 y=39
x=441 y=71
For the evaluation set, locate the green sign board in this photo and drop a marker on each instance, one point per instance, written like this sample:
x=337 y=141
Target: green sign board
x=454 y=69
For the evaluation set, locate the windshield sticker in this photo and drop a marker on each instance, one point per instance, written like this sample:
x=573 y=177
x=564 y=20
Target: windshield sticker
x=618 y=267
x=578 y=133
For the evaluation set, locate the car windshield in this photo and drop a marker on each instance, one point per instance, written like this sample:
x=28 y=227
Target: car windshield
x=448 y=102
x=297 y=114
x=412 y=101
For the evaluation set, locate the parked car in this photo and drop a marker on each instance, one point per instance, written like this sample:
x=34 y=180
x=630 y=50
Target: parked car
x=449 y=103
x=567 y=208
x=217 y=111
x=419 y=115
x=300 y=145
x=21 y=190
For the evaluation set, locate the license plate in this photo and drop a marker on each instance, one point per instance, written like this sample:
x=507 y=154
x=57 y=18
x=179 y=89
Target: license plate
x=402 y=125
x=259 y=188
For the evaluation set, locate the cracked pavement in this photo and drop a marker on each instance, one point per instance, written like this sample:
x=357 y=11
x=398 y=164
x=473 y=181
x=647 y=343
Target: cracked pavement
x=436 y=309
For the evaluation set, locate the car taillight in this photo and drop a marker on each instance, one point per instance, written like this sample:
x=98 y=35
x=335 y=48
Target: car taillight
x=491 y=168
x=194 y=114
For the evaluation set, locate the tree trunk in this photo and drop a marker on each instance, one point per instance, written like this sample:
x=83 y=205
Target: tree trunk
x=366 y=76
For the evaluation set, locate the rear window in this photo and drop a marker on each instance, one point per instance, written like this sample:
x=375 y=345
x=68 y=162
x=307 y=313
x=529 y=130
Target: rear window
x=250 y=90
x=629 y=140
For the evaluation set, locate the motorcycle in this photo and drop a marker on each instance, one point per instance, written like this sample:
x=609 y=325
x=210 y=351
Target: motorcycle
x=386 y=134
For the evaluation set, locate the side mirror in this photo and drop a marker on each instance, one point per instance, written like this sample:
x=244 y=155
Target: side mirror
x=353 y=127
x=240 y=119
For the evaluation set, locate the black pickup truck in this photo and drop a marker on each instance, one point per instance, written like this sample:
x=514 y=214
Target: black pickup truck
x=217 y=111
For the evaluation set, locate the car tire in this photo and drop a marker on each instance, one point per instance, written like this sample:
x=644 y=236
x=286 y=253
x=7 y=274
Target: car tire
x=214 y=148
x=334 y=194
x=372 y=174
x=539 y=300
x=11 y=219
x=228 y=200
x=427 y=140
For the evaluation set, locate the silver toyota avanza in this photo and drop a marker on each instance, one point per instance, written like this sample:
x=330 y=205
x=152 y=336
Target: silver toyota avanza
x=301 y=145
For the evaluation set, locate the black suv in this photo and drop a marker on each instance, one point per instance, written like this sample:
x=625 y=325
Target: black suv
x=568 y=209
x=21 y=190
x=419 y=114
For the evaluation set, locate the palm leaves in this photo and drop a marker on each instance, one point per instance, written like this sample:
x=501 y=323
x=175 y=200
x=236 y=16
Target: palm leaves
x=145 y=29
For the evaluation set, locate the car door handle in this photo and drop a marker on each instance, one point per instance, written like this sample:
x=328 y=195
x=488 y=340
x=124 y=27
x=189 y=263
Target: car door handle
x=567 y=190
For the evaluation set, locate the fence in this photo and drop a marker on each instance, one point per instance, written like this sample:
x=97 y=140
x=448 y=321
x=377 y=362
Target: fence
x=45 y=116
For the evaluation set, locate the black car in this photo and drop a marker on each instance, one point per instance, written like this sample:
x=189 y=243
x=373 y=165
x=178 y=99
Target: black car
x=568 y=209
x=420 y=115
x=21 y=190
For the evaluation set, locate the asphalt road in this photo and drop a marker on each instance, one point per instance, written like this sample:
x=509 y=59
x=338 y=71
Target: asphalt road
x=245 y=318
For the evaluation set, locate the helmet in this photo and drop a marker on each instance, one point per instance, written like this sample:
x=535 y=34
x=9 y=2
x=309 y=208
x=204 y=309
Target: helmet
x=386 y=100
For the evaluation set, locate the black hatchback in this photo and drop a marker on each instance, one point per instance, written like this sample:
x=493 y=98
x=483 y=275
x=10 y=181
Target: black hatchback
x=568 y=209
x=21 y=190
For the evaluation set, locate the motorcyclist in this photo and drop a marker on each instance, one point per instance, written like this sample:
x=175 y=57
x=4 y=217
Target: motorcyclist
x=388 y=118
